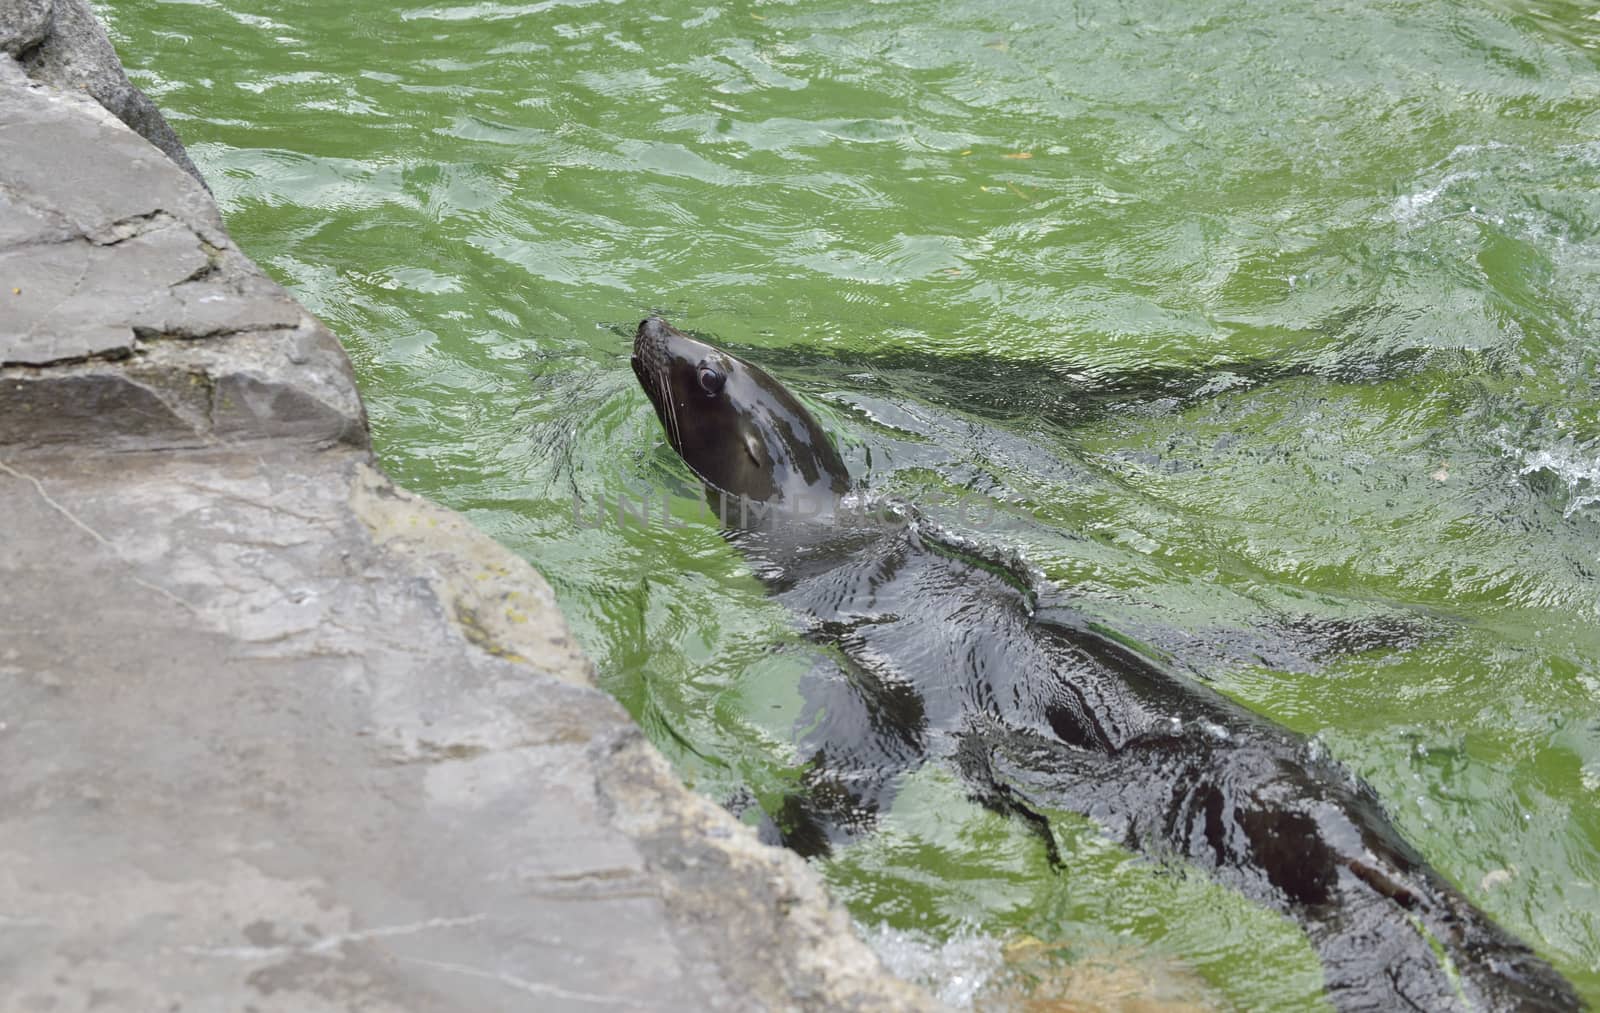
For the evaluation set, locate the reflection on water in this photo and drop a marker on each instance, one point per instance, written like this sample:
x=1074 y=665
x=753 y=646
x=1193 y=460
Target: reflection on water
x=1238 y=318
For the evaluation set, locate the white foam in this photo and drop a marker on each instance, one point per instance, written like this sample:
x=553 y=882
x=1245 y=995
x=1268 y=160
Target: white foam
x=1407 y=207
x=1575 y=464
x=954 y=970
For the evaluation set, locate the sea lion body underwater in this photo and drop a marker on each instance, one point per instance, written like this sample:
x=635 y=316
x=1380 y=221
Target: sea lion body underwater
x=948 y=653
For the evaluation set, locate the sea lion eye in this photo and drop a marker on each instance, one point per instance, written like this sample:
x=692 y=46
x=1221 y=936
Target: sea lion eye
x=711 y=379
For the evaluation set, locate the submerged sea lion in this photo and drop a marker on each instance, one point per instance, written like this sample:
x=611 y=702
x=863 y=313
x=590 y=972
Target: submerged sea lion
x=951 y=652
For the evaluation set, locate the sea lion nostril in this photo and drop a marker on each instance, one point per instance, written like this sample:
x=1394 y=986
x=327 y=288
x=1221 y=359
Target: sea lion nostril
x=653 y=328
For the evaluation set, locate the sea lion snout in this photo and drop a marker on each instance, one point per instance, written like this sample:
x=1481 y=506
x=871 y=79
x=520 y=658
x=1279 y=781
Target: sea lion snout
x=649 y=359
x=657 y=345
x=650 y=342
x=654 y=328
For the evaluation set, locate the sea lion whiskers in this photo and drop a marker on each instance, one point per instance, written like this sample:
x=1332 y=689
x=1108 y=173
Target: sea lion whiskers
x=672 y=408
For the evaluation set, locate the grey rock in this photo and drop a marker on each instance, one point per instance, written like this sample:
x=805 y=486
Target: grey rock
x=279 y=734
x=24 y=24
x=61 y=43
x=108 y=254
x=108 y=188
x=60 y=292
x=284 y=385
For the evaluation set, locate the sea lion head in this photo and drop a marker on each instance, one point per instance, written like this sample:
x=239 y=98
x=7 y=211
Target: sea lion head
x=737 y=427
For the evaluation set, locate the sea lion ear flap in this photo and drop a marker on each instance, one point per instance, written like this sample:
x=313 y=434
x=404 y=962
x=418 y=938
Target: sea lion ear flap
x=753 y=447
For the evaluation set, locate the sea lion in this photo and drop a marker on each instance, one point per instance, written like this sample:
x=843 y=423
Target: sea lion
x=952 y=651
x=739 y=429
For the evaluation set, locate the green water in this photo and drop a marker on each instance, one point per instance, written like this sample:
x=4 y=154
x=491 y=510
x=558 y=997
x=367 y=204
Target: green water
x=1228 y=313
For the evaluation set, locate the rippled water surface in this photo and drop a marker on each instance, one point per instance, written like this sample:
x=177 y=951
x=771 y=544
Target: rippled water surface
x=1236 y=318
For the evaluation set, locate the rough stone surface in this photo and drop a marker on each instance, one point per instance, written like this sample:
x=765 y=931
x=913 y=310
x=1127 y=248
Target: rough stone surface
x=277 y=735
x=112 y=267
x=62 y=43
x=24 y=24
x=269 y=742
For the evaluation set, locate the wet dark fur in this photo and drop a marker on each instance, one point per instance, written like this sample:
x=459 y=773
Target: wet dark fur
x=948 y=654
